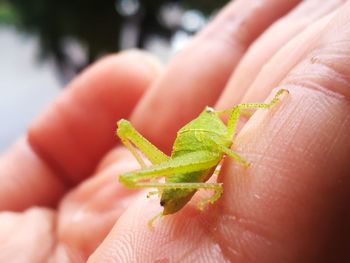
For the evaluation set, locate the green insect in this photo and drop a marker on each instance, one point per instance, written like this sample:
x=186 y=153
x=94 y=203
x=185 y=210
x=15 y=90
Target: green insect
x=198 y=149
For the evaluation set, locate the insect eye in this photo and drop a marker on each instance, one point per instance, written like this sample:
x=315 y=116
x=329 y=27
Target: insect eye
x=209 y=109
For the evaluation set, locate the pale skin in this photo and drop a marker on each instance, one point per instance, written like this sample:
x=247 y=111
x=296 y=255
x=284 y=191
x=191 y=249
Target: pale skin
x=59 y=198
x=198 y=148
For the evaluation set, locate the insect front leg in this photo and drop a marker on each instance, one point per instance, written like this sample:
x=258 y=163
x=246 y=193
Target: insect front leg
x=216 y=187
x=235 y=112
x=183 y=164
x=130 y=137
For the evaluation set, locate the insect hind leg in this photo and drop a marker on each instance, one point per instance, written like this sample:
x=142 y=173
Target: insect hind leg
x=130 y=137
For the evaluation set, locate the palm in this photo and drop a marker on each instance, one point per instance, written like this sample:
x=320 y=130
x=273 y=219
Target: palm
x=290 y=205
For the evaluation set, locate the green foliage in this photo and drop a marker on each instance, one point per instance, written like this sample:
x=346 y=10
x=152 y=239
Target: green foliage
x=8 y=14
x=95 y=24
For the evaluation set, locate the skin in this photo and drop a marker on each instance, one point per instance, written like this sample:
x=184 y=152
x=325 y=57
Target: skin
x=292 y=206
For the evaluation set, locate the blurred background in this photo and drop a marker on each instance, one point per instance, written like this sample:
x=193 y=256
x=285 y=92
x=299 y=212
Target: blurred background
x=44 y=44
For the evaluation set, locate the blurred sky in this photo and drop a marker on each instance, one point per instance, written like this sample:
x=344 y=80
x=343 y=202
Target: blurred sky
x=26 y=85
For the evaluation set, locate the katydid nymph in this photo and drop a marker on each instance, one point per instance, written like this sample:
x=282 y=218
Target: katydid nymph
x=199 y=147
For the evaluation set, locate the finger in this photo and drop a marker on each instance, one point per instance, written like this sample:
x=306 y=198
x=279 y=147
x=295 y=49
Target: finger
x=290 y=207
x=74 y=132
x=197 y=74
x=26 y=237
x=293 y=205
x=95 y=204
x=269 y=43
x=78 y=128
x=183 y=237
x=294 y=50
x=26 y=179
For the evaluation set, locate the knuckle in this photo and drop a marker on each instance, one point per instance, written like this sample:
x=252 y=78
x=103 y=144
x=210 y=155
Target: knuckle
x=325 y=69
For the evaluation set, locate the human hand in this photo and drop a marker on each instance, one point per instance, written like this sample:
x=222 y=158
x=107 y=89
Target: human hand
x=40 y=219
x=289 y=207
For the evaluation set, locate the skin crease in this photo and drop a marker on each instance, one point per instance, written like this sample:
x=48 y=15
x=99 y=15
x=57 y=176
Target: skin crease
x=289 y=206
x=296 y=21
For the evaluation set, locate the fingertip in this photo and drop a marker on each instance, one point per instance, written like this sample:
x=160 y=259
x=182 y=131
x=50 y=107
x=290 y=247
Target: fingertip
x=26 y=180
x=141 y=61
x=155 y=66
x=288 y=147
